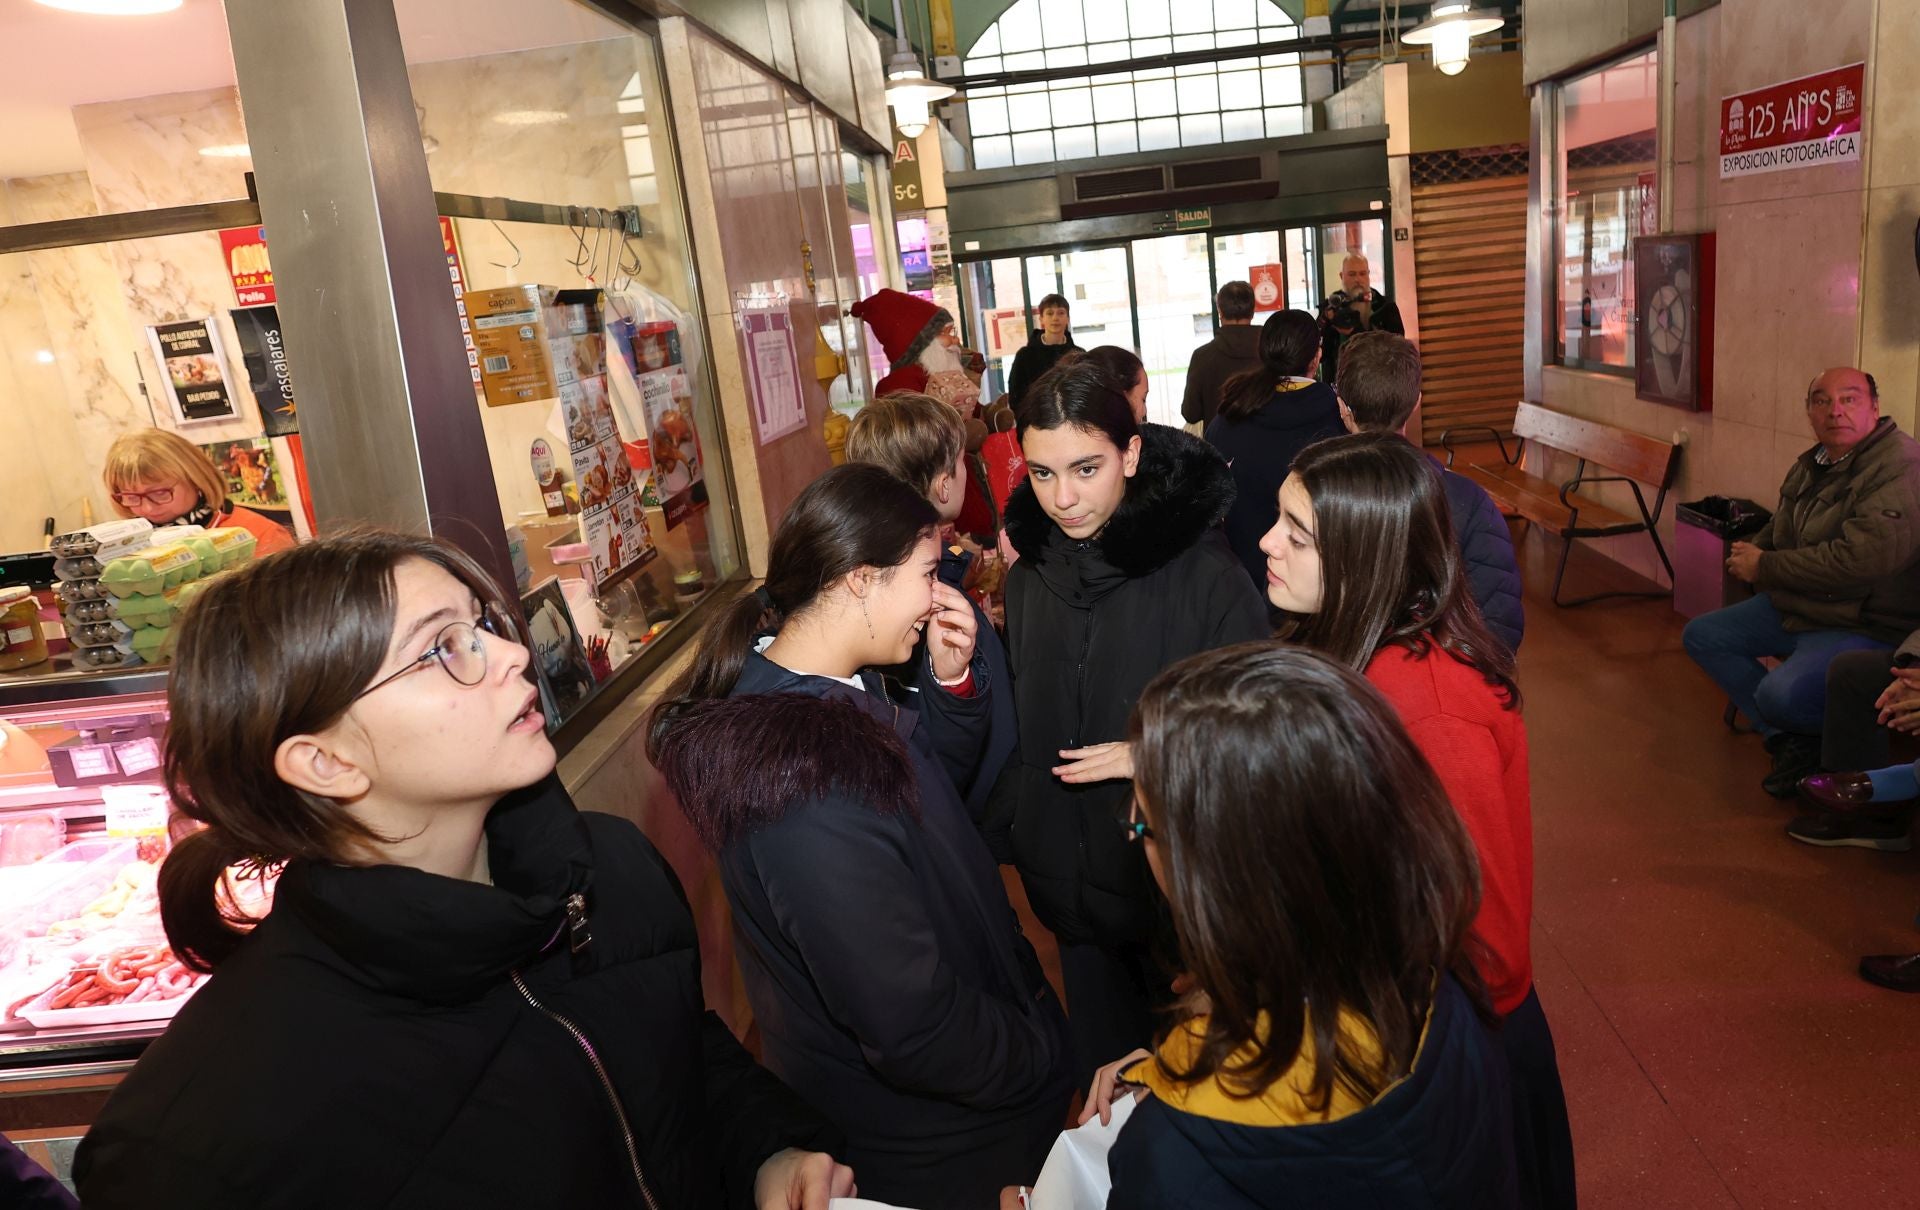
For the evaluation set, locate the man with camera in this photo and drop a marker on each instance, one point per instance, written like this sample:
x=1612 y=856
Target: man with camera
x=1355 y=307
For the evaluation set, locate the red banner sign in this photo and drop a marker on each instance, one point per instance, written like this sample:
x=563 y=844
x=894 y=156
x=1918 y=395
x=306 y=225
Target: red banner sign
x=1801 y=123
x=246 y=249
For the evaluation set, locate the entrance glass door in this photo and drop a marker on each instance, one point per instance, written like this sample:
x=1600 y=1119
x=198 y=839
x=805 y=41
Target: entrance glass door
x=1174 y=288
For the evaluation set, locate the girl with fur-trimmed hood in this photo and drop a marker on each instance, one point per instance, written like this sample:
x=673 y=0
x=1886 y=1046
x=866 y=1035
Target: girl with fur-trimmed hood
x=1122 y=571
x=886 y=969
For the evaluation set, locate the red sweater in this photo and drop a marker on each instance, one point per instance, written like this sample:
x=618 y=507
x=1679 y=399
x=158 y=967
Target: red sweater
x=1479 y=749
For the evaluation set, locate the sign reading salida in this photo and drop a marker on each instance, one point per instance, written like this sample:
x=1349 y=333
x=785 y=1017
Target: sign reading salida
x=1801 y=123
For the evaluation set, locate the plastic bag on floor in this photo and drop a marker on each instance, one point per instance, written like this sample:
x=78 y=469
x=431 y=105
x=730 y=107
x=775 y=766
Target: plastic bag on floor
x=1075 y=1177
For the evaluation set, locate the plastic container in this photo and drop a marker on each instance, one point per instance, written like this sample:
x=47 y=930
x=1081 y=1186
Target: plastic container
x=97 y=658
x=72 y=592
x=101 y=634
x=81 y=567
x=30 y=835
x=59 y=886
x=23 y=642
x=116 y=537
x=151 y=571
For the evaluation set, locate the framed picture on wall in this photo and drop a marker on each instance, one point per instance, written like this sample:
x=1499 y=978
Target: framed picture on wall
x=1673 y=297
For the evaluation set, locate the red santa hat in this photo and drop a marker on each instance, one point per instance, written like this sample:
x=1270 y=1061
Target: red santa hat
x=905 y=324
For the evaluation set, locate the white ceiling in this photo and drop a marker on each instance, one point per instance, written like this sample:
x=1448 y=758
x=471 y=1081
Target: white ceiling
x=56 y=60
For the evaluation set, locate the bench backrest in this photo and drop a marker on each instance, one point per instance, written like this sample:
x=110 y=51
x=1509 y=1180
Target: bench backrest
x=1648 y=459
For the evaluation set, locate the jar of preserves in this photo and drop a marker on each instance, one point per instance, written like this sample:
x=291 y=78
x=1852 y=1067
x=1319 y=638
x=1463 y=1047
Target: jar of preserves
x=22 y=641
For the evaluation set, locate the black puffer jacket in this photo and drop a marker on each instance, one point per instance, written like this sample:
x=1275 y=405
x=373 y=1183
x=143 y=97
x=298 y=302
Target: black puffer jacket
x=368 y=1046
x=886 y=969
x=1486 y=553
x=1088 y=625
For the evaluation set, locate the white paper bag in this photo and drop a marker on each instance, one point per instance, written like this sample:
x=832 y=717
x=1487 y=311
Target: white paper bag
x=1075 y=1177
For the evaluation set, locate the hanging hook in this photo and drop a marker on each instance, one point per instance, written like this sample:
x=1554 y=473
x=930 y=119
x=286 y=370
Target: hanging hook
x=517 y=255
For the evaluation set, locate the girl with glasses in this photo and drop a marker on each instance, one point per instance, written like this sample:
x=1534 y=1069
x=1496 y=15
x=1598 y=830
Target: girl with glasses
x=1329 y=1050
x=170 y=481
x=885 y=967
x=466 y=992
x=1363 y=562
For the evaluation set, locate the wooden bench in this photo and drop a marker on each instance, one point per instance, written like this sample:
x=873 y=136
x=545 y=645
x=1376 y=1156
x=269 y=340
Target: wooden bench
x=1634 y=459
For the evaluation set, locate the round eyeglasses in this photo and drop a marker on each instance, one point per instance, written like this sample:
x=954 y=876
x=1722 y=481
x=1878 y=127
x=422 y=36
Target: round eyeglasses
x=458 y=648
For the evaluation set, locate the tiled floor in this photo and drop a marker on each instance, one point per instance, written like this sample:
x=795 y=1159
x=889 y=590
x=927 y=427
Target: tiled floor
x=1697 y=966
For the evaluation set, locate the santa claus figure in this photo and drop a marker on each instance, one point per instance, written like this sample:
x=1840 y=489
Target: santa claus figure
x=922 y=348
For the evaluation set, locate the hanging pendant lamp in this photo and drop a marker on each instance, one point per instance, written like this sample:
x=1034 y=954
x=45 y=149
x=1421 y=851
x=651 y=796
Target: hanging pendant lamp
x=910 y=94
x=1450 y=29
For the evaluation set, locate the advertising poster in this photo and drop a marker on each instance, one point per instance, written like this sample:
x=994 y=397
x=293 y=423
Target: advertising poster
x=1269 y=284
x=192 y=366
x=253 y=477
x=559 y=657
x=611 y=522
x=265 y=354
x=247 y=265
x=1805 y=123
x=773 y=373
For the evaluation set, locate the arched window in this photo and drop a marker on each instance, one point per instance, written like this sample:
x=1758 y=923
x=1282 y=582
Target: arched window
x=1222 y=101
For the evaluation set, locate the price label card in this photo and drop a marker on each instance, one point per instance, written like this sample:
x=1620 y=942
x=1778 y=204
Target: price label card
x=140 y=756
x=135 y=810
x=94 y=760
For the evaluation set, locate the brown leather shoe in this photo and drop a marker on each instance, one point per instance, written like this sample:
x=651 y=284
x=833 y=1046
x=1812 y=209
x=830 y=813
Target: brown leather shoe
x=1837 y=791
x=1896 y=972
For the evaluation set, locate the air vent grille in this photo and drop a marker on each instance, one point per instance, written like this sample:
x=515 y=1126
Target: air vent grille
x=1202 y=173
x=1096 y=186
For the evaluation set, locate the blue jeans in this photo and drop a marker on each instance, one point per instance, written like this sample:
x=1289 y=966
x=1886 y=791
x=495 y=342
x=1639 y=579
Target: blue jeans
x=1729 y=644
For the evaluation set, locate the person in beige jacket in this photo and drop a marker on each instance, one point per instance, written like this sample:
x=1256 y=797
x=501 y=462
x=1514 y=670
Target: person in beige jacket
x=1835 y=572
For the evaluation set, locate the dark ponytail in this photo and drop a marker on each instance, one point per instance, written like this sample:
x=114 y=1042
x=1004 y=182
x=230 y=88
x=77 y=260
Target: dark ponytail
x=1288 y=342
x=853 y=516
x=279 y=649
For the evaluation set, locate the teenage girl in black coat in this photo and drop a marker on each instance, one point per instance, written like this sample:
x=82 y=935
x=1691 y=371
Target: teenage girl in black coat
x=466 y=993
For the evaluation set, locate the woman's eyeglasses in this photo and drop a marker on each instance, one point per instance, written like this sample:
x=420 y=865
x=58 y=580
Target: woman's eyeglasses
x=458 y=648
x=159 y=495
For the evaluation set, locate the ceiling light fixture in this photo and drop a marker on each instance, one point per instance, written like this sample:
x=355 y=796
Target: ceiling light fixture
x=909 y=92
x=1449 y=30
x=531 y=117
x=114 y=8
x=227 y=151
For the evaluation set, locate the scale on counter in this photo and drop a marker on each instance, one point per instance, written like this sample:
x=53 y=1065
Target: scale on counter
x=30 y=570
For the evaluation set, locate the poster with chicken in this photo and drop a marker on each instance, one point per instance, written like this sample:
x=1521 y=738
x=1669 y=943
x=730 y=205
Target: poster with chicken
x=614 y=529
x=679 y=479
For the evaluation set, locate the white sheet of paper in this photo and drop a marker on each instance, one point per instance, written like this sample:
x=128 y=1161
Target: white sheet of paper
x=1075 y=1176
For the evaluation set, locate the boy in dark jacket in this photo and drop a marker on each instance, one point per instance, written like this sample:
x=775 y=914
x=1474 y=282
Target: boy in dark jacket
x=1051 y=341
x=1379 y=386
x=1234 y=350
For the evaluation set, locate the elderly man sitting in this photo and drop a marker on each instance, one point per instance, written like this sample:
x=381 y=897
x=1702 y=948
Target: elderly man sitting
x=1835 y=572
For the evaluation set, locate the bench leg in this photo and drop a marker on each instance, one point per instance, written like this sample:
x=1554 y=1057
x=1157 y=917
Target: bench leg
x=1566 y=552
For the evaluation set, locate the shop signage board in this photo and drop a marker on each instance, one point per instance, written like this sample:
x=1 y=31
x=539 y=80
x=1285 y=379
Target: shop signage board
x=778 y=406
x=265 y=353
x=908 y=191
x=247 y=265
x=1805 y=123
x=1197 y=219
x=193 y=370
x=1269 y=284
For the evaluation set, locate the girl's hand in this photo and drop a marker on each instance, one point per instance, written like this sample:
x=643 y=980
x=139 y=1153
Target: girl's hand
x=951 y=633
x=1107 y=1084
x=1102 y=762
x=800 y=1180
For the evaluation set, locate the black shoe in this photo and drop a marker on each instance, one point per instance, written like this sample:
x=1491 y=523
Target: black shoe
x=1896 y=972
x=1794 y=757
x=1857 y=829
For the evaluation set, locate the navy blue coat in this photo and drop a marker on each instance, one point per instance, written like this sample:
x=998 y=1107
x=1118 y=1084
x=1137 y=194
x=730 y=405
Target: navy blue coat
x=1441 y=1139
x=1486 y=552
x=886 y=969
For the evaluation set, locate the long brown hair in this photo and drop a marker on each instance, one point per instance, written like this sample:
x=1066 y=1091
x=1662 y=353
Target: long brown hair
x=856 y=515
x=279 y=649
x=1312 y=861
x=1389 y=563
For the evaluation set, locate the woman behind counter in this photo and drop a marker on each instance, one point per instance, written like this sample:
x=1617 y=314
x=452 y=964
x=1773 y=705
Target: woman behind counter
x=169 y=480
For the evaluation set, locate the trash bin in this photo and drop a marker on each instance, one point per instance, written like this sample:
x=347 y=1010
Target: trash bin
x=1703 y=536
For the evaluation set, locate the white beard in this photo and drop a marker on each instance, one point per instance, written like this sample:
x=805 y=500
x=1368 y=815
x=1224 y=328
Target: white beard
x=939 y=358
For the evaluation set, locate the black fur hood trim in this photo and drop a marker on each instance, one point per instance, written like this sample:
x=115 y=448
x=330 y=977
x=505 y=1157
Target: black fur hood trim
x=741 y=763
x=1182 y=489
